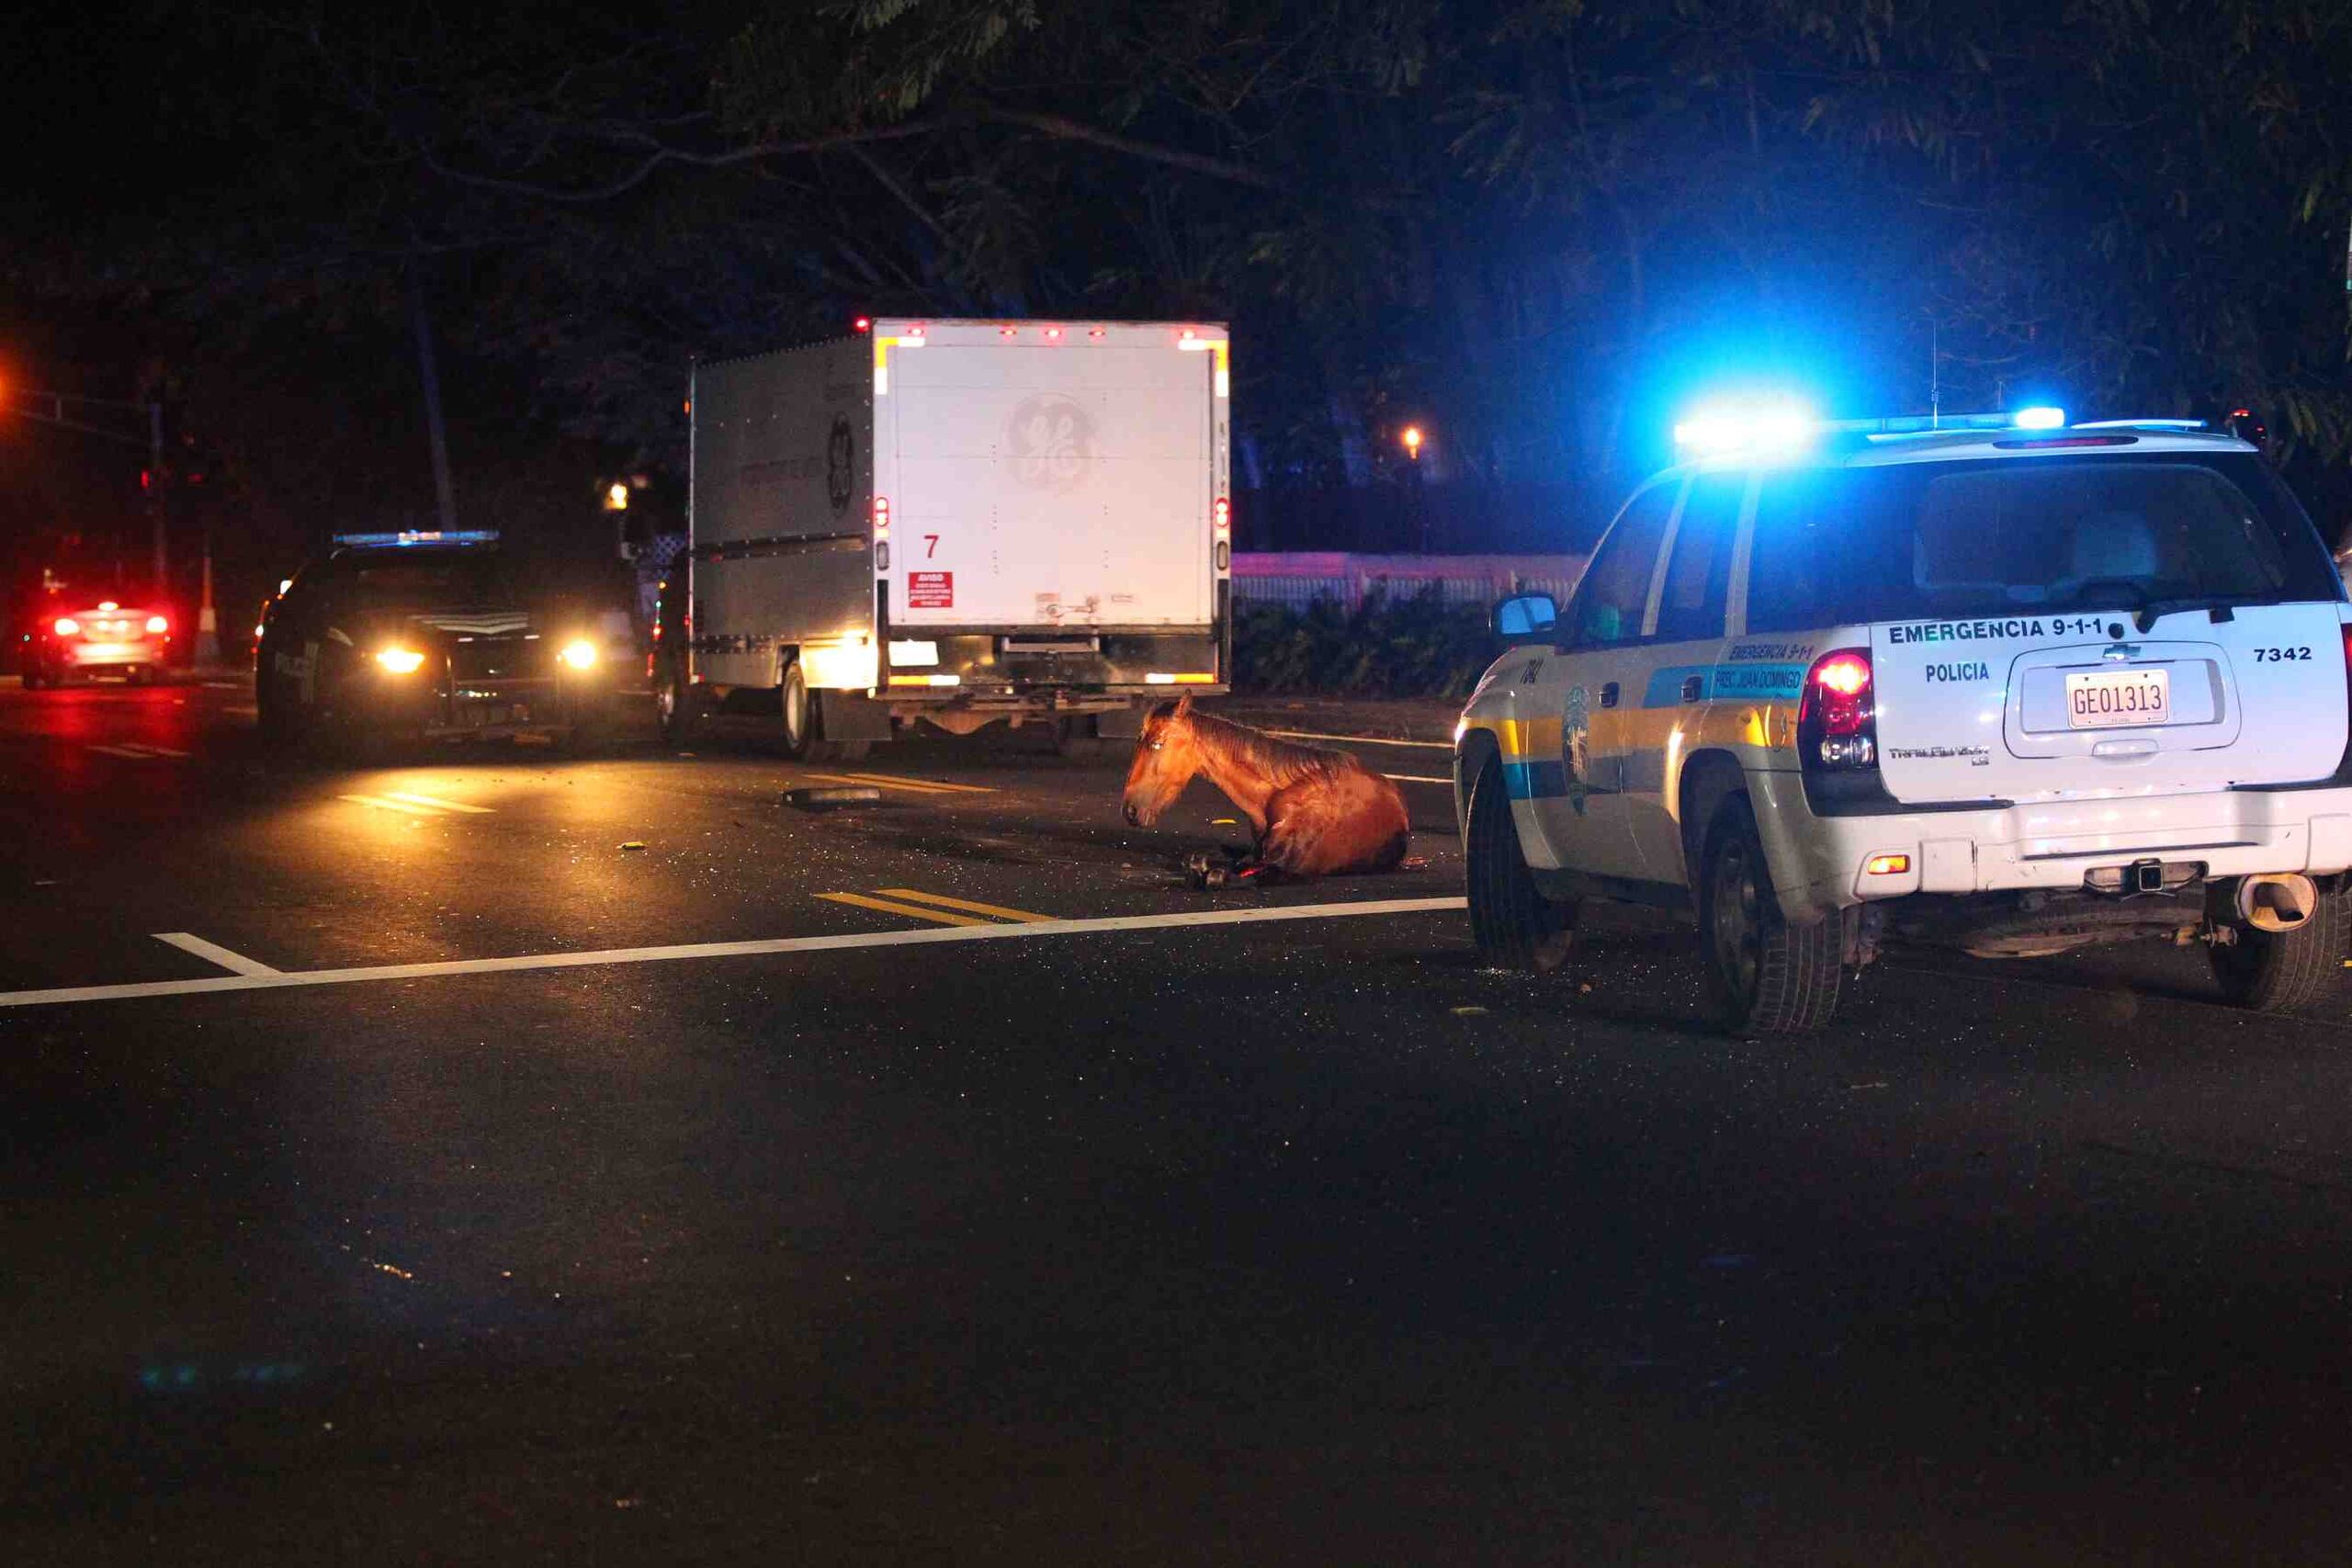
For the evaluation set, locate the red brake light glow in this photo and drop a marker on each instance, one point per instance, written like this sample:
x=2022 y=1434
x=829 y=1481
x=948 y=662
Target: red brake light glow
x=1836 y=717
x=158 y=625
x=1222 y=516
x=67 y=626
x=864 y=324
x=881 y=517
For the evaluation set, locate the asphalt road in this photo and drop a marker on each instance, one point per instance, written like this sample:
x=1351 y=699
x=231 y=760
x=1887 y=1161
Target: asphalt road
x=1091 y=1231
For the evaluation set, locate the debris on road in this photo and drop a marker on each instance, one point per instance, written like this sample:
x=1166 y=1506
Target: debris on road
x=827 y=797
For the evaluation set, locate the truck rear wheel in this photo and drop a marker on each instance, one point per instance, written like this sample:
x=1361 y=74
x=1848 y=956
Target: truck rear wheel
x=804 y=724
x=2281 y=971
x=1762 y=974
x=676 y=700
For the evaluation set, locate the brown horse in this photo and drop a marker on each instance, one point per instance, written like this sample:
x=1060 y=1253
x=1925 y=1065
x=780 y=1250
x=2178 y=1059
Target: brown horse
x=1315 y=813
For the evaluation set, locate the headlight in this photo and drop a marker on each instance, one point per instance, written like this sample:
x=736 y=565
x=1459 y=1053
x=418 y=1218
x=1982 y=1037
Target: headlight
x=400 y=660
x=66 y=626
x=580 y=653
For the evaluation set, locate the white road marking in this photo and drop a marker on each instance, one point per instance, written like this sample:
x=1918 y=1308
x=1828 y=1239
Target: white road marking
x=1360 y=739
x=139 y=752
x=381 y=804
x=236 y=963
x=922 y=937
x=437 y=800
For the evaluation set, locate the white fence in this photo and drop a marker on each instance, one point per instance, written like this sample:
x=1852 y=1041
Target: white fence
x=1300 y=578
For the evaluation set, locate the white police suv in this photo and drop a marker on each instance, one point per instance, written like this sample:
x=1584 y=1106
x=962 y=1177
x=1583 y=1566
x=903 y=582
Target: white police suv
x=2017 y=686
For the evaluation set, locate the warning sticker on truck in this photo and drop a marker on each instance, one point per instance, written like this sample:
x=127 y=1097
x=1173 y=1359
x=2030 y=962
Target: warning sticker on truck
x=931 y=591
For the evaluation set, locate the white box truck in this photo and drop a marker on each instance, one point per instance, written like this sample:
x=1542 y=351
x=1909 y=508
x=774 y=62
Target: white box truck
x=955 y=523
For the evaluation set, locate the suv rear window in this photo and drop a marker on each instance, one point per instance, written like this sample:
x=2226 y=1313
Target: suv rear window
x=1932 y=540
x=476 y=577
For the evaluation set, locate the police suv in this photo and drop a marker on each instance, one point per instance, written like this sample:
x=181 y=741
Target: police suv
x=429 y=634
x=2018 y=686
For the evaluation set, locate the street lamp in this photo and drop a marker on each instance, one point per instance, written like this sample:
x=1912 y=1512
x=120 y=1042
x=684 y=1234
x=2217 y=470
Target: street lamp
x=1412 y=439
x=616 y=498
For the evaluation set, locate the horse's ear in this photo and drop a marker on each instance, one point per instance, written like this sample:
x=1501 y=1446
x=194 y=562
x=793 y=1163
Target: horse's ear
x=1183 y=705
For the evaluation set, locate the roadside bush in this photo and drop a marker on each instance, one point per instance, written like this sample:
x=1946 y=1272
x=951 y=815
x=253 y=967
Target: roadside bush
x=1416 y=646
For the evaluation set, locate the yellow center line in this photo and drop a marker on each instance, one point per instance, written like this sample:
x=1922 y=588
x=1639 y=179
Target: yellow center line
x=887 y=908
x=999 y=910
x=379 y=804
x=437 y=800
x=894 y=781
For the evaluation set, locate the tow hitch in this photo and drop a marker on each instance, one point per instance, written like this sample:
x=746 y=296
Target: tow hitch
x=2143 y=878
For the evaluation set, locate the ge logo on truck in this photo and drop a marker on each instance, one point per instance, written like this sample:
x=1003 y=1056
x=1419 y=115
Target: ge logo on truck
x=1050 y=437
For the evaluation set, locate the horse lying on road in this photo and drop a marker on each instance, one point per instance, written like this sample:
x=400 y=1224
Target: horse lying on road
x=1313 y=813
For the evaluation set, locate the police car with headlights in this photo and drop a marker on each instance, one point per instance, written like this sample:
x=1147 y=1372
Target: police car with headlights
x=429 y=634
x=2008 y=683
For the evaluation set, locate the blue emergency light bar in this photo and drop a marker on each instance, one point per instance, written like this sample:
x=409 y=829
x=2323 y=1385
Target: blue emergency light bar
x=418 y=537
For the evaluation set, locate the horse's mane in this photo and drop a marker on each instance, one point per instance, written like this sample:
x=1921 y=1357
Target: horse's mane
x=1282 y=760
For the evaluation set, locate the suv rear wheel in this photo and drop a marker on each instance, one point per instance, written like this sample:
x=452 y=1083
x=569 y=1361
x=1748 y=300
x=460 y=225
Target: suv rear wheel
x=2281 y=971
x=1762 y=975
x=1513 y=924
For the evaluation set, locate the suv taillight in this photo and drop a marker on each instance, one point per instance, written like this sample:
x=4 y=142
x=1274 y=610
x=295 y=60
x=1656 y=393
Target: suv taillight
x=1837 y=718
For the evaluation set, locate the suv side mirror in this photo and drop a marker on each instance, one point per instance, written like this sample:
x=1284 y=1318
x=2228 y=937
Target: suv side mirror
x=1525 y=615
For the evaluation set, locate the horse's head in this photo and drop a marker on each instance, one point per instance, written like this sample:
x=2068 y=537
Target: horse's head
x=1166 y=760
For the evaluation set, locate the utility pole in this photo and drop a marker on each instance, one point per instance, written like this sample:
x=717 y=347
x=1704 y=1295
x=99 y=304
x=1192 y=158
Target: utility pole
x=155 y=490
x=431 y=374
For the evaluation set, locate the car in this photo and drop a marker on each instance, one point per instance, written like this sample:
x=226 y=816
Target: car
x=428 y=634
x=2020 y=686
x=107 y=638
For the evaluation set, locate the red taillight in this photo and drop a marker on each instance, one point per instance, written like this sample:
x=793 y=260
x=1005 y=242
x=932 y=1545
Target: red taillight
x=1004 y=331
x=157 y=626
x=1837 y=716
x=1094 y=332
x=864 y=324
x=67 y=625
x=881 y=517
x=1221 y=514
x=1054 y=334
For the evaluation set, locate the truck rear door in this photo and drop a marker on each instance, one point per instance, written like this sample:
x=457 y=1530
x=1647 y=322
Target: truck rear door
x=1050 y=477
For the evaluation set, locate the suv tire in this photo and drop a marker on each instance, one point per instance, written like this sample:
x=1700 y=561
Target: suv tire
x=1513 y=924
x=1762 y=975
x=2281 y=971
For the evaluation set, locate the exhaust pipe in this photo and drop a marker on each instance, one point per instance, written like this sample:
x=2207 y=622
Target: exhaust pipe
x=2276 y=900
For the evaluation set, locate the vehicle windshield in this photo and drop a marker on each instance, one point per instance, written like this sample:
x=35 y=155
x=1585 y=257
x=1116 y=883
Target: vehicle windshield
x=1939 y=539
x=447 y=578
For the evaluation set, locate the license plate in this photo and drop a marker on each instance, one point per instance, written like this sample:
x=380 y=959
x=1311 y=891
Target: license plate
x=2113 y=699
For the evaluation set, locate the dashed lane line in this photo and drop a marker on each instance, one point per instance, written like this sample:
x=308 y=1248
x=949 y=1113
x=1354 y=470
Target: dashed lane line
x=436 y=800
x=1360 y=739
x=922 y=937
x=888 y=907
x=213 y=952
x=998 y=910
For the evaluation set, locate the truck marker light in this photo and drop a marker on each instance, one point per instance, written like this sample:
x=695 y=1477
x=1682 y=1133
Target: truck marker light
x=1004 y=331
x=1887 y=865
x=864 y=324
x=1221 y=514
x=881 y=517
x=1054 y=334
x=1094 y=332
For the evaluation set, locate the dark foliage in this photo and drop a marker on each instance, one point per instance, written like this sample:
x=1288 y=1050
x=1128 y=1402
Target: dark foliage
x=1417 y=647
